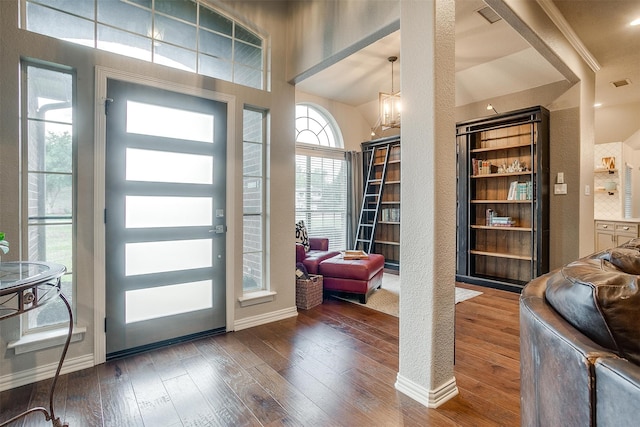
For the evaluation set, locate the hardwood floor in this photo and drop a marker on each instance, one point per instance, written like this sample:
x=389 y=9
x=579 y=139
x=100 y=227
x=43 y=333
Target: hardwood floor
x=333 y=365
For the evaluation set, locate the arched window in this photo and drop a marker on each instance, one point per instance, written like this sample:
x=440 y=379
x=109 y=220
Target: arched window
x=317 y=127
x=321 y=176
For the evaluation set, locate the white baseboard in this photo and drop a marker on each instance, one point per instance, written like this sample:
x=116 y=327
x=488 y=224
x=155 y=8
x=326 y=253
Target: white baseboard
x=44 y=372
x=429 y=398
x=261 y=319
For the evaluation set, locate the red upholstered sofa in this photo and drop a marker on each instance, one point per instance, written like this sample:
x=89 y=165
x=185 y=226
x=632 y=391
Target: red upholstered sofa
x=319 y=252
x=359 y=277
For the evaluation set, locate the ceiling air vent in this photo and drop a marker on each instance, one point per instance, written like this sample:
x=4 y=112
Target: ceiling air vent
x=488 y=14
x=620 y=83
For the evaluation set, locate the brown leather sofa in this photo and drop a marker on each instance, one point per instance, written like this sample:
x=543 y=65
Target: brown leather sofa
x=580 y=342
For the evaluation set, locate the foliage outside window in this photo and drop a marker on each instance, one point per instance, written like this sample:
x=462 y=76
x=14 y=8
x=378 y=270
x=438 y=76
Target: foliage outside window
x=183 y=34
x=253 y=197
x=48 y=180
x=321 y=176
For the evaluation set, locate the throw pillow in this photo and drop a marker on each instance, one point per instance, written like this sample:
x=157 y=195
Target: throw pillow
x=302 y=236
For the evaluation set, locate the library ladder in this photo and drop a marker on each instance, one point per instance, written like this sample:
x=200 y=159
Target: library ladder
x=371 y=198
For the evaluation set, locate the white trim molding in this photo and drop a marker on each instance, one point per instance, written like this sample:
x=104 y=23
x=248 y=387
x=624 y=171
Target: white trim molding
x=259 y=297
x=46 y=339
x=559 y=20
x=43 y=372
x=99 y=275
x=429 y=398
x=261 y=319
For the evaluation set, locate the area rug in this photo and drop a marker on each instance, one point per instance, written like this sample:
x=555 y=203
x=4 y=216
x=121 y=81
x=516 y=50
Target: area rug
x=386 y=299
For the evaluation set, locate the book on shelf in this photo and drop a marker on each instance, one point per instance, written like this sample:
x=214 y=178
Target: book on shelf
x=502 y=221
x=482 y=167
x=520 y=191
x=390 y=215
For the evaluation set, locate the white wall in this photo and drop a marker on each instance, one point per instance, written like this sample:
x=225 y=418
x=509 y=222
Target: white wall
x=332 y=30
x=617 y=123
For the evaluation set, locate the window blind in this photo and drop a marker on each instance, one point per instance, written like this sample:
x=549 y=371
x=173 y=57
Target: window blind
x=321 y=197
x=627 y=192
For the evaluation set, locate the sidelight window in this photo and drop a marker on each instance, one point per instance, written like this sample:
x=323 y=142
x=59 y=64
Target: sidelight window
x=49 y=190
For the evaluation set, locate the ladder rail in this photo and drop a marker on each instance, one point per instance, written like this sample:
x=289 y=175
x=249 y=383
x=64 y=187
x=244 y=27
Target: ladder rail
x=367 y=223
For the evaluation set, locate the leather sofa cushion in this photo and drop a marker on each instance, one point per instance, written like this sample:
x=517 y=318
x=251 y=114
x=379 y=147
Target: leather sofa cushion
x=625 y=259
x=600 y=300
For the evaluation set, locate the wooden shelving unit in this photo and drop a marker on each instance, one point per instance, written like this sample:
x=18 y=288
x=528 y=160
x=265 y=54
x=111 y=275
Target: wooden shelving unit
x=386 y=240
x=511 y=147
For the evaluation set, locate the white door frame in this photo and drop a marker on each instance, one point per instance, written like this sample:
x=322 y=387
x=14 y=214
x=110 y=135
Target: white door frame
x=99 y=273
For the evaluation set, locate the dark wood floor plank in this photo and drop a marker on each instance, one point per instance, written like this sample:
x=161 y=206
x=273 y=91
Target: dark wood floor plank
x=156 y=407
x=359 y=330
x=342 y=411
x=119 y=405
x=83 y=403
x=300 y=409
x=191 y=405
x=167 y=361
x=40 y=397
x=238 y=351
x=226 y=405
x=263 y=406
x=16 y=401
x=261 y=349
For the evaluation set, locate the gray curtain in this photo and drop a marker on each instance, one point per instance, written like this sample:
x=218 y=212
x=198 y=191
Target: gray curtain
x=354 y=193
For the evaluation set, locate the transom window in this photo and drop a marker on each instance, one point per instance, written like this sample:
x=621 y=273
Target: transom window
x=184 y=34
x=317 y=127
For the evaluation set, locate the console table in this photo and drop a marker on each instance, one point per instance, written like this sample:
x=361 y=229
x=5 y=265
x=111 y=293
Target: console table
x=25 y=286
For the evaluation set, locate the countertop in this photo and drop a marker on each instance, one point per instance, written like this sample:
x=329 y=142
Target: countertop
x=619 y=219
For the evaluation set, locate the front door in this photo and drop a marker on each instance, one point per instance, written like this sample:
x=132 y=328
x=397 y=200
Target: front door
x=165 y=216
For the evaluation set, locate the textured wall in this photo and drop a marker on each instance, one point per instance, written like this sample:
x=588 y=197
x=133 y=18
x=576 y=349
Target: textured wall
x=564 y=150
x=428 y=195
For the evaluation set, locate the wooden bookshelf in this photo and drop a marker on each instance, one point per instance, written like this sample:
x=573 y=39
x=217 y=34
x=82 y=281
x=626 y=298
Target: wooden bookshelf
x=496 y=153
x=387 y=228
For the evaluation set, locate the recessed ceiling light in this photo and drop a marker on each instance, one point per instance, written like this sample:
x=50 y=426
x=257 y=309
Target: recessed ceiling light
x=597 y=104
x=635 y=22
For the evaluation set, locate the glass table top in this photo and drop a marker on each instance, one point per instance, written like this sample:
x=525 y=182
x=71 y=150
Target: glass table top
x=14 y=275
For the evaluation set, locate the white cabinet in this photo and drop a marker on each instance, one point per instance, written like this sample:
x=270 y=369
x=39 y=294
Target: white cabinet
x=612 y=233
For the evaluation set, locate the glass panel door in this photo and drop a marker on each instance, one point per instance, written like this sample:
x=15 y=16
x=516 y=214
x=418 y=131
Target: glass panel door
x=165 y=221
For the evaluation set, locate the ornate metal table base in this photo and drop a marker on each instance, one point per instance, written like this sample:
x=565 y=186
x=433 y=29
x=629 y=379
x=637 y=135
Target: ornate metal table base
x=25 y=286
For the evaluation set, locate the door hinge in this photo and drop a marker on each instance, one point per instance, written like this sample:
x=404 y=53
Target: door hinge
x=107 y=101
x=105 y=324
x=105 y=216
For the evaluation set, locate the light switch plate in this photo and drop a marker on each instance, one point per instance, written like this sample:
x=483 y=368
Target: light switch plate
x=560 y=189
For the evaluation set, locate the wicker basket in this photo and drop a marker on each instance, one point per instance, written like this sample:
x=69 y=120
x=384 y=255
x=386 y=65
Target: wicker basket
x=309 y=292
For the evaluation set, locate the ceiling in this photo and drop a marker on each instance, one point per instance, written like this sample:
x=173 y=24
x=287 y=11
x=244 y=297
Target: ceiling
x=499 y=58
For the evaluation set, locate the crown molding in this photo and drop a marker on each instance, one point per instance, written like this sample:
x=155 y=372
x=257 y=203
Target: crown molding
x=559 y=20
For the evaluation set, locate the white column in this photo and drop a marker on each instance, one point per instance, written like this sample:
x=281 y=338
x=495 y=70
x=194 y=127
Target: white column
x=428 y=242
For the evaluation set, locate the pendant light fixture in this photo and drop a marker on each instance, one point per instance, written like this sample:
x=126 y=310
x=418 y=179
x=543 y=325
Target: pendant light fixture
x=390 y=104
